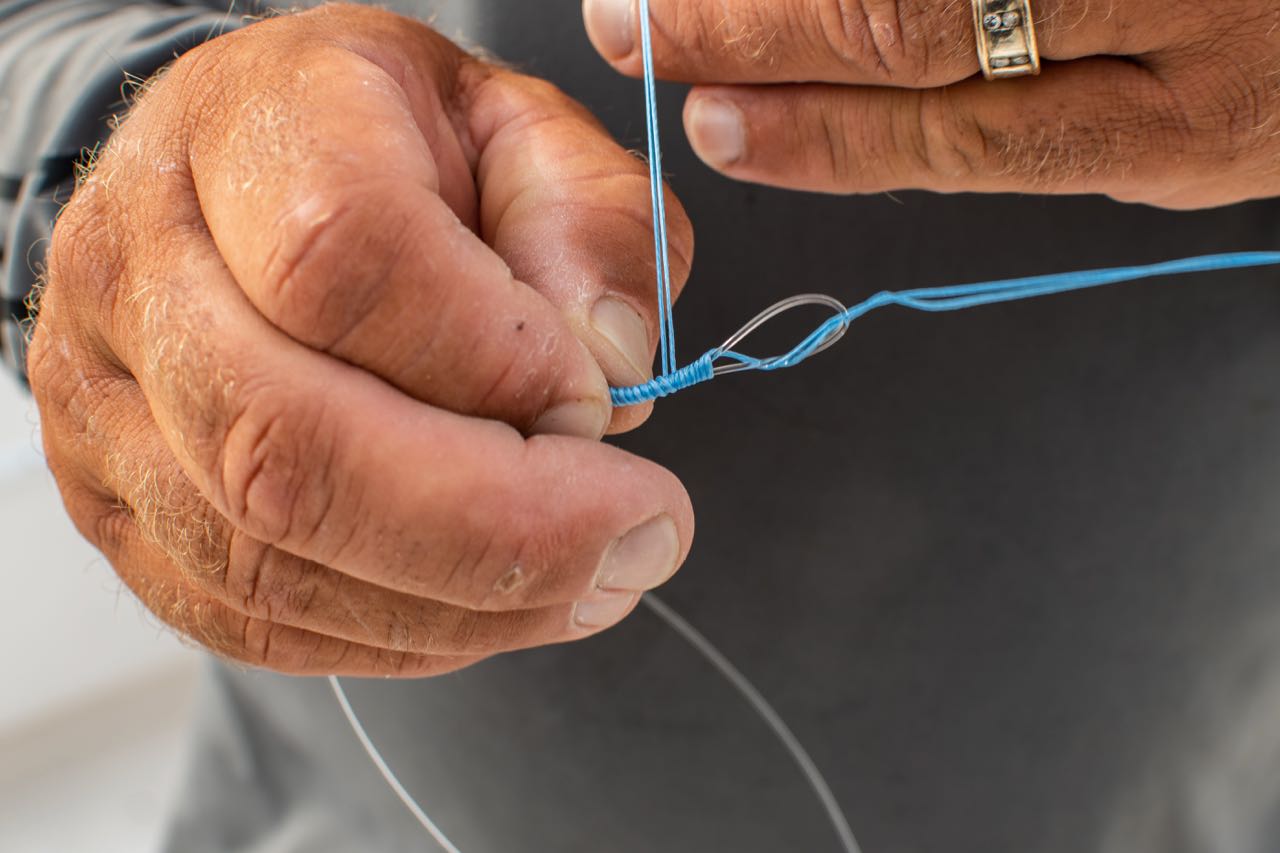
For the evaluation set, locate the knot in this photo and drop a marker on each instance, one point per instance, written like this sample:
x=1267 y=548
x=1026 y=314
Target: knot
x=664 y=386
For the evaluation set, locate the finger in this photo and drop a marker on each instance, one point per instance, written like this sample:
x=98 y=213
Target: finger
x=570 y=211
x=122 y=451
x=323 y=460
x=913 y=43
x=146 y=570
x=340 y=199
x=1092 y=126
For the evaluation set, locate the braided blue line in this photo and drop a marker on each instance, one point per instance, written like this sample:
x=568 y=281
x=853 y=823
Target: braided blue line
x=936 y=299
x=664 y=386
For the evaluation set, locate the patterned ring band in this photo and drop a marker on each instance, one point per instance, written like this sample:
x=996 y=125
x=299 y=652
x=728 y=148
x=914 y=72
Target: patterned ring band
x=1006 y=38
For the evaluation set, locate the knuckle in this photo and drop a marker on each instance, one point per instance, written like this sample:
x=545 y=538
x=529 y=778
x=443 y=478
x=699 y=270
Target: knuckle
x=271 y=645
x=204 y=86
x=51 y=371
x=828 y=142
x=537 y=98
x=313 y=235
x=81 y=250
x=108 y=528
x=265 y=583
x=275 y=459
x=1121 y=142
x=87 y=261
x=237 y=637
x=1236 y=106
x=247 y=580
x=328 y=262
x=249 y=583
x=78 y=402
x=196 y=67
x=890 y=37
x=198 y=618
x=44 y=358
x=105 y=523
x=951 y=142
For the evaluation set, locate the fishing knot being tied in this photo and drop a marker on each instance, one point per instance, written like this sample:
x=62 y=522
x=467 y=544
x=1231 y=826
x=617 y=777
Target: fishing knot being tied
x=668 y=384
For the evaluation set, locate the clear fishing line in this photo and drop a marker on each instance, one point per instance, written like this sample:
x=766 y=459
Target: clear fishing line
x=695 y=638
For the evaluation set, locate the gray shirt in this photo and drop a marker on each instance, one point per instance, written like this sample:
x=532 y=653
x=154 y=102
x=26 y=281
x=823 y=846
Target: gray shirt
x=1009 y=575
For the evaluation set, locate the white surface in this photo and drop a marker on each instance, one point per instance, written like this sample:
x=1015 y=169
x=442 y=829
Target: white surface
x=100 y=774
x=94 y=695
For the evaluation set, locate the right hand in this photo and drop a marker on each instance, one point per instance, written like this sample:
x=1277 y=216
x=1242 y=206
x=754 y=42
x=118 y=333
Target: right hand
x=319 y=287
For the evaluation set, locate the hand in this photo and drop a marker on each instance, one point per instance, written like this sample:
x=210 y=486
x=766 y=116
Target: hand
x=281 y=343
x=1168 y=103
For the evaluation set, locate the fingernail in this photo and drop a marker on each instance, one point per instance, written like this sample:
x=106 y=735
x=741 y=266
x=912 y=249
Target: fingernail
x=580 y=418
x=604 y=610
x=643 y=558
x=717 y=131
x=624 y=328
x=609 y=24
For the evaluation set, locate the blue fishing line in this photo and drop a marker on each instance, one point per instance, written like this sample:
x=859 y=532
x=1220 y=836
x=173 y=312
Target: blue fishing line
x=951 y=298
x=934 y=299
x=662 y=263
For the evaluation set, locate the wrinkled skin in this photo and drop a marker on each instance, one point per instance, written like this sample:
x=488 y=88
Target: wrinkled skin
x=1167 y=102
x=321 y=363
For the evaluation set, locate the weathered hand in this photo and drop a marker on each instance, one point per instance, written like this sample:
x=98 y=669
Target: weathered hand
x=1170 y=103
x=284 y=367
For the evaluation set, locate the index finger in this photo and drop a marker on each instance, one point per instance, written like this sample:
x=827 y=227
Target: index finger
x=343 y=203
x=570 y=211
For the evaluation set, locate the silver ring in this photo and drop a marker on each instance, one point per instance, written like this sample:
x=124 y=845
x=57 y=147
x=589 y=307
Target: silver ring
x=1006 y=38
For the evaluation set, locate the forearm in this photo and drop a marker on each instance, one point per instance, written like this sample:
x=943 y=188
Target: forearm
x=62 y=67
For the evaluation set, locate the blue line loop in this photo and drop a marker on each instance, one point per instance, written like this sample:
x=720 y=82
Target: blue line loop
x=932 y=299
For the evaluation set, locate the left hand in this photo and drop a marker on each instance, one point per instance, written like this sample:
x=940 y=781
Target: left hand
x=1168 y=102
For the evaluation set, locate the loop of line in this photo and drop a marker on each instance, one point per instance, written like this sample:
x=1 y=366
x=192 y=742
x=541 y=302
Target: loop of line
x=695 y=638
x=930 y=299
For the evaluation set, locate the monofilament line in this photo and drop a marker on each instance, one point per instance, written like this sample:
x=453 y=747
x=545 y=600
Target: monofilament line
x=722 y=664
x=387 y=773
x=766 y=711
